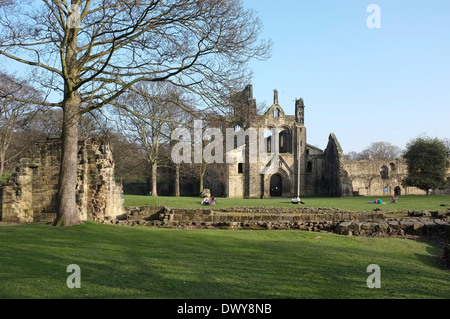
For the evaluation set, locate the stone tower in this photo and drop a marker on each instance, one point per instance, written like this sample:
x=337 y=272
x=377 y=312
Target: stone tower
x=299 y=111
x=300 y=147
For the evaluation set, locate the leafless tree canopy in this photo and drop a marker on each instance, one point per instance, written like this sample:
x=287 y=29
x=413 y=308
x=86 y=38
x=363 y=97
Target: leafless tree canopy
x=159 y=108
x=85 y=54
x=14 y=115
x=377 y=151
x=101 y=48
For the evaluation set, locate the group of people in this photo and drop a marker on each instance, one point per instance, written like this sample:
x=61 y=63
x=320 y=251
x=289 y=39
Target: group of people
x=207 y=201
x=379 y=201
x=297 y=200
x=294 y=200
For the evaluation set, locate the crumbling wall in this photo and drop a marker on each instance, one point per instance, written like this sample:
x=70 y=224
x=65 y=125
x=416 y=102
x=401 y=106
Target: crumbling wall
x=379 y=177
x=371 y=223
x=335 y=181
x=30 y=194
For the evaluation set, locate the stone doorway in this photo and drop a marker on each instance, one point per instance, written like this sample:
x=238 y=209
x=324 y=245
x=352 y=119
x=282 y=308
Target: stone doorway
x=276 y=185
x=397 y=191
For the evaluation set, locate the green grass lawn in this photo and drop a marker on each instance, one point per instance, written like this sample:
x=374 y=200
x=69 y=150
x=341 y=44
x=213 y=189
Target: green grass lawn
x=142 y=262
x=360 y=203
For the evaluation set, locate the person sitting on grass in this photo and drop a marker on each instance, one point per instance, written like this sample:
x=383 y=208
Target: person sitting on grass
x=299 y=201
x=205 y=201
x=213 y=201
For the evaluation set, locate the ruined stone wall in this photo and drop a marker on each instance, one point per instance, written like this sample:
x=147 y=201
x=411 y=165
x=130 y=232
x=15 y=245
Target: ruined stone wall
x=379 y=177
x=341 y=177
x=335 y=181
x=373 y=223
x=30 y=193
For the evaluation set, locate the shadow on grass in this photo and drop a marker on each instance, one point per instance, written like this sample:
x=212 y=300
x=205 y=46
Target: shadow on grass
x=138 y=263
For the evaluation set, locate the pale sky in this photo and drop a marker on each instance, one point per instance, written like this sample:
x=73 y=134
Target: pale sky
x=364 y=84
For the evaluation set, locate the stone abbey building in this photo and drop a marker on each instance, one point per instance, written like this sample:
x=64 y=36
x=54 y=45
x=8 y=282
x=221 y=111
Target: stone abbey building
x=293 y=167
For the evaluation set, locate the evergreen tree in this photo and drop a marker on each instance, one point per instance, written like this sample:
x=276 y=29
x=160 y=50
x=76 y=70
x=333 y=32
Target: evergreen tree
x=427 y=161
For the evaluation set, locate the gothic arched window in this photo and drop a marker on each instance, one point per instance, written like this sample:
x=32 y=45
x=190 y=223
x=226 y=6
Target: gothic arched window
x=276 y=113
x=384 y=172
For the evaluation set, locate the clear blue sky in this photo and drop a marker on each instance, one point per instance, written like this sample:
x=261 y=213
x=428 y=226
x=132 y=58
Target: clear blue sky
x=364 y=84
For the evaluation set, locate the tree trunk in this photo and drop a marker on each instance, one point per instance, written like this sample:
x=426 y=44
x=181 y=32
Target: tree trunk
x=202 y=174
x=154 y=179
x=177 y=180
x=67 y=206
x=2 y=162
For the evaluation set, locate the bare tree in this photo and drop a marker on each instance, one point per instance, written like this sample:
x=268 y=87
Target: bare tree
x=155 y=113
x=380 y=150
x=128 y=160
x=352 y=155
x=446 y=142
x=13 y=114
x=87 y=53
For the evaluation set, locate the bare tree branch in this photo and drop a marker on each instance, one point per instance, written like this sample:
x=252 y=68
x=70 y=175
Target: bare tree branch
x=86 y=54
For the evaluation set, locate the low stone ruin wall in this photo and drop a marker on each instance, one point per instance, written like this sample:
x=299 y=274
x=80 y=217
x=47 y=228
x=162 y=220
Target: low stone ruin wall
x=374 y=223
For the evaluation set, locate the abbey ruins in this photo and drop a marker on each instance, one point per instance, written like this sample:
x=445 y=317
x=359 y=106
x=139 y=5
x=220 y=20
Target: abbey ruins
x=30 y=193
x=305 y=169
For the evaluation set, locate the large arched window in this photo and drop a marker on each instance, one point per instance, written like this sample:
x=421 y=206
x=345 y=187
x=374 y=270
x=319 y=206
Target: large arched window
x=285 y=141
x=384 y=173
x=309 y=167
x=268 y=140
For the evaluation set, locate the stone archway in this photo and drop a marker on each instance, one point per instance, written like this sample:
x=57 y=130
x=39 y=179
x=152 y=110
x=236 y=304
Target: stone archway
x=276 y=185
x=397 y=191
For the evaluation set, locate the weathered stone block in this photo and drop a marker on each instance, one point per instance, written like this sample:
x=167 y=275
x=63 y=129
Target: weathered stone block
x=394 y=224
x=343 y=227
x=368 y=226
x=417 y=226
x=382 y=227
x=405 y=224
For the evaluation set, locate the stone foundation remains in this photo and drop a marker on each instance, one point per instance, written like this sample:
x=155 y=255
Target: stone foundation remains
x=30 y=193
x=334 y=220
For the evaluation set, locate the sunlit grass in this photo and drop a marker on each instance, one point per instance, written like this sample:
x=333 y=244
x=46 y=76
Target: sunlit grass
x=360 y=203
x=141 y=262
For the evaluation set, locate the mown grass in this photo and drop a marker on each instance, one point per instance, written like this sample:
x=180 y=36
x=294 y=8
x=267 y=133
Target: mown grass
x=142 y=262
x=360 y=203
